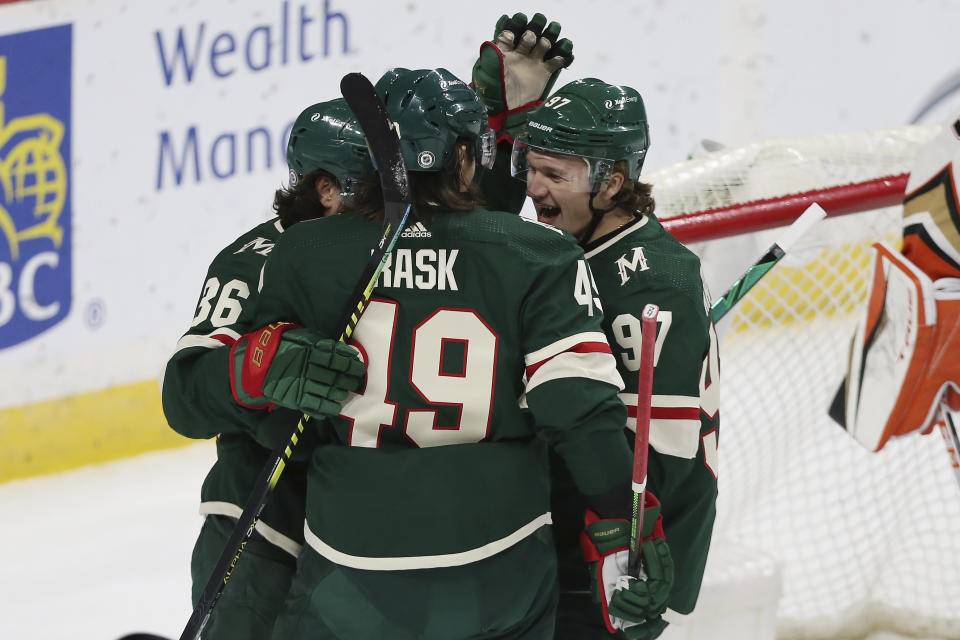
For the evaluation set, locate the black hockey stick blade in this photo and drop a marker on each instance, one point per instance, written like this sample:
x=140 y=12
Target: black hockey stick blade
x=382 y=136
x=384 y=143
x=385 y=148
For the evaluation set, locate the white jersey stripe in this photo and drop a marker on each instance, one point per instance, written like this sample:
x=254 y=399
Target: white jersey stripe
x=270 y=534
x=672 y=437
x=592 y=365
x=424 y=562
x=212 y=340
x=692 y=402
x=678 y=437
x=627 y=230
x=562 y=345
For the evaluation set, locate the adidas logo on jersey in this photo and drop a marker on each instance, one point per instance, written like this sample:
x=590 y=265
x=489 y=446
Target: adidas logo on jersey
x=416 y=230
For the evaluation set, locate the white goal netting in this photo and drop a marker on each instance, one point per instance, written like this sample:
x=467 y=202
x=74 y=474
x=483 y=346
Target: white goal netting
x=867 y=543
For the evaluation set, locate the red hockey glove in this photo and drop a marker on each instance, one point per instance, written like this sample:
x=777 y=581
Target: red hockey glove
x=297 y=368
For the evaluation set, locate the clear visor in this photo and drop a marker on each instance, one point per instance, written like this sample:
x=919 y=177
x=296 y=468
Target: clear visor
x=574 y=172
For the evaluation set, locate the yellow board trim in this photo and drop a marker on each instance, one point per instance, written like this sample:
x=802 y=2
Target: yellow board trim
x=89 y=428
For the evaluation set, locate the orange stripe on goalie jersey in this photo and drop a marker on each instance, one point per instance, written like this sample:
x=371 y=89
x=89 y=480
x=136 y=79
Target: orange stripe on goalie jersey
x=929 y=260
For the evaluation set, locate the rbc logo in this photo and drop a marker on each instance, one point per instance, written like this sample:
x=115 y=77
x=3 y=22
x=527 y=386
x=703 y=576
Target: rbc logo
x=35 y=278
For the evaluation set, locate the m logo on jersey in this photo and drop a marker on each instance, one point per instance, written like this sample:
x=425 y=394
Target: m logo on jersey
x=636 y=260
x=263 y=246
x=35 y=247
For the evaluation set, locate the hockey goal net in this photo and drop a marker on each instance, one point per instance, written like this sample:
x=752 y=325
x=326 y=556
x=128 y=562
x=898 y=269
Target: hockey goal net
x=867 y=544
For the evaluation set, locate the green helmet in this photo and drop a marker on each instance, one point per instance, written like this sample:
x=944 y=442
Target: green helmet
x=326 y=136
x=600 y=122
x=431 y=109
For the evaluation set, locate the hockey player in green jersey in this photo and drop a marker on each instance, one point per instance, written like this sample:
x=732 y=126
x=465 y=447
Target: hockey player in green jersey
x=428 y=497
x=581 y=156
x=326 y=155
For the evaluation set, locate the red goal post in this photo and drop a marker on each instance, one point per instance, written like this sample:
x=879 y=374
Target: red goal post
x=866 y=543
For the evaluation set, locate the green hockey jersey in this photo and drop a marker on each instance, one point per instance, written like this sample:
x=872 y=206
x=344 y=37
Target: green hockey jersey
x=483 y=346
x=198 y=402
x=638 y=264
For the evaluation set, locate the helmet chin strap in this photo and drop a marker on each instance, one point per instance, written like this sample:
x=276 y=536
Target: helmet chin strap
x=596 y=215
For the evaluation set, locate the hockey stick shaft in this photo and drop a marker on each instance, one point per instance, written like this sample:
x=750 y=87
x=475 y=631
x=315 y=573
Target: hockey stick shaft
x=813 y=214
x=385 y=146
x=641 y=445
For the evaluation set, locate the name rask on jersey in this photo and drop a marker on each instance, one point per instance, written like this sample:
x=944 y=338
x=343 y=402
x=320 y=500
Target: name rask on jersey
x=636 y=260
x=416 y=230
x=262 y=246
x=420 y=269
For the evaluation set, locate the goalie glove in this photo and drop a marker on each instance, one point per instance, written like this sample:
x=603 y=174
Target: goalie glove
x=631 y=604
x=293 y=367
x=516 y=71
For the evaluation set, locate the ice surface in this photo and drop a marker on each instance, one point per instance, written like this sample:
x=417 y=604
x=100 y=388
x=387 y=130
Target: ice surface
x=102 y=551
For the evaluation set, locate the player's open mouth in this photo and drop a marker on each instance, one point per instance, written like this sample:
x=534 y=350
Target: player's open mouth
x=548 y=215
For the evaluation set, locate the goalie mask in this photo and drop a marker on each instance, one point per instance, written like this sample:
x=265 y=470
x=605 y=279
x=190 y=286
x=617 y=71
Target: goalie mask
x=326 y=136
x=590 y=119
x=431 y=109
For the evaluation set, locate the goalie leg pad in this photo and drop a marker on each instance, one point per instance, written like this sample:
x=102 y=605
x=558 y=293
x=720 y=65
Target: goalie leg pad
x=900 y=364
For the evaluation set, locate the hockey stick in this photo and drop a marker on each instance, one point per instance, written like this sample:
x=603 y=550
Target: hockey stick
x=950 y=438
x=384 y=145
x=641 y=448
x=813 y=214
